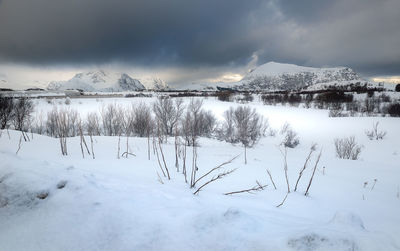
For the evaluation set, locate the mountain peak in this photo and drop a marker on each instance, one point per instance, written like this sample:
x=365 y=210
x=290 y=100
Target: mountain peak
x=278 y=76
x=99 y=80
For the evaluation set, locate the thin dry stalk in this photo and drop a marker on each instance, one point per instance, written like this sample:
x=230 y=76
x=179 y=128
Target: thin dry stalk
x=219 y=176
x=19 y=144
x=256 y=188
x=148 y=146
x=285 y=167
x=270 y=177
x=184 y=163
x=373 y=185
x=158 y=157
x=91 y=145
x=119 y=145
x=312 y=176
x=176 y=149
x=216 y=168
x=194 y=167
x=283 y=201
x=304 y=167
x=159 y=178
x=163 y=158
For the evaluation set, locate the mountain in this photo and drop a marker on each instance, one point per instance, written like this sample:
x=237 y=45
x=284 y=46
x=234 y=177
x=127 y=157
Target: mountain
x=99 y=81
x=278 y=76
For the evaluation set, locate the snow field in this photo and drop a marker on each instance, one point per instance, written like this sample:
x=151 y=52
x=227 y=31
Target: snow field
x=119 y=204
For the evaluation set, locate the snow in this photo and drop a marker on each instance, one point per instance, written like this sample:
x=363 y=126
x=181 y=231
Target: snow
x=119 y=204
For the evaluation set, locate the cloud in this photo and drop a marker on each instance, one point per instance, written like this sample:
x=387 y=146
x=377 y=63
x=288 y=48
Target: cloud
x=188 y=35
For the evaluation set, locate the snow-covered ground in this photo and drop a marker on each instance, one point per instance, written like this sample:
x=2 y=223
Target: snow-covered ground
x=119 y=204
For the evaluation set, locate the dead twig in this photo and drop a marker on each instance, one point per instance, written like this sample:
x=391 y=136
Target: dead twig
x=219 y=176
x=313 y=147
x=270 y=177
x=284 y=199
x=216 y=168
x=256 y=188
x=312 y=176
x=19 y=144
x=285 y=166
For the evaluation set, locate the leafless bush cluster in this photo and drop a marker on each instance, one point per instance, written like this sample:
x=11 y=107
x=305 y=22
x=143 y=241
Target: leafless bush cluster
x=375 y=133
x=6 y=111
x=347 y=148
x=244 y=125
x=113 y=118
x=167 y=113
x=290 y=139
x=197 y=122
x=62 y=122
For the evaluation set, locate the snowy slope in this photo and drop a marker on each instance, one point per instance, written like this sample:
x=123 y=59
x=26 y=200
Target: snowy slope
x=98 y=81
x=278 y=76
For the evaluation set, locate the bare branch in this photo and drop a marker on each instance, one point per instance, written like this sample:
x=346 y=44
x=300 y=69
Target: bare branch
x=219 y=176
x=270 y=177
x=284 y=199
x=256 y=188
x=216 y=168
x=312 y=176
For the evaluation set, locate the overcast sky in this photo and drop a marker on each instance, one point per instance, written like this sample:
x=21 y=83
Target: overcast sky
x=189 y=40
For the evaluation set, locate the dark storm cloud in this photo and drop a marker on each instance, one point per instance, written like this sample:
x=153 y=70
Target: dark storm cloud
x=177 y=31
x=363 y=34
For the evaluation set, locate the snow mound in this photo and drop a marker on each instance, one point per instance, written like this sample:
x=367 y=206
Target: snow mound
x=311 y=242
x=347 y=219
x=99 y=81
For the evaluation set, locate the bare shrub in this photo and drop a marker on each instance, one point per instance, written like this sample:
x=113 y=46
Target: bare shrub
x=113 y=120
x=38 y=124
x=336 y=110
x=63 y=123
x=243 y=125
x=67 y=101
x=167 y=114
x=375 y=133
x=23 y=108
x=347 y=148
x=142 y=122
x=290 y=139
x=192 y=122
x=92 y=124
x=6 y=111
x=394 y=110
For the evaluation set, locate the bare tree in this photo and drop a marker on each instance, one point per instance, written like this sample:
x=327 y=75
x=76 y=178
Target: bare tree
x=142 y=121
x=243 y=125
x=113 y=120
x=191 y=126
x=167 y=114
x=23 y=108
x=6 y=111
x=92 y=124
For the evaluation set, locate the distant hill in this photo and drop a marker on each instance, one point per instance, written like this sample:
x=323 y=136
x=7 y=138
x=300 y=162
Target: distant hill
x=277 y=76
x=100 y=81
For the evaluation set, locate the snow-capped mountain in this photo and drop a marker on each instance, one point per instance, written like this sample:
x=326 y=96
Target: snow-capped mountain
x=277 y=76
x=99 y=81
